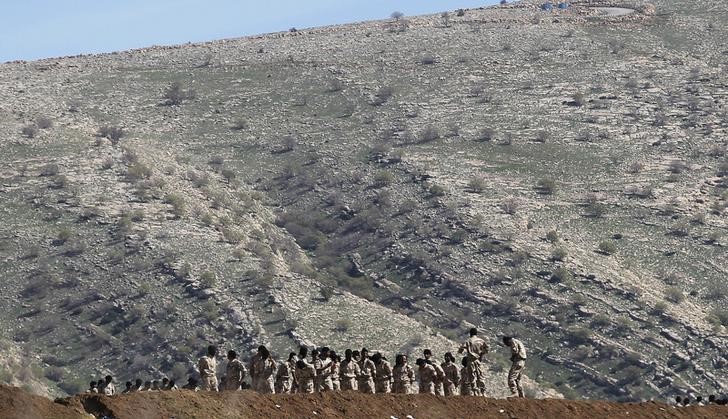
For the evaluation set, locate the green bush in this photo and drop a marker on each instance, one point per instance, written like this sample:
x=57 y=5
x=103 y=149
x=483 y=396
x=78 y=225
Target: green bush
x=559 y=254
x=607 y=247
x=208 y=279
x=477 y=184
x=546 y=186
x=674 y=295
x=561 y=275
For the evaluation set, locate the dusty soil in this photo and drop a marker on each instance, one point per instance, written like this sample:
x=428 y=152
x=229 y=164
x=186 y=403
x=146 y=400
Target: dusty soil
x=15 y=403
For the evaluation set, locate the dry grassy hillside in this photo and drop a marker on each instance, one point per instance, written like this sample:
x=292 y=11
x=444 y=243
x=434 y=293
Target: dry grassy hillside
x=560 y=176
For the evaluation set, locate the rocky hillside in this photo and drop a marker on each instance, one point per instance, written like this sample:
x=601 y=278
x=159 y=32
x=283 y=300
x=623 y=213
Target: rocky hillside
x=556 y=175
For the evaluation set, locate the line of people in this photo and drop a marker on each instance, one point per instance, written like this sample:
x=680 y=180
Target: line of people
x=359 y=371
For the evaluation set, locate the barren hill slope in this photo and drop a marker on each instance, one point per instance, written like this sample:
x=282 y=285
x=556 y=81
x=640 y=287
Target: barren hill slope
x=559 y=176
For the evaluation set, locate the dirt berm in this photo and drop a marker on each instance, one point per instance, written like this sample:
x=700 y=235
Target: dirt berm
x=15 y=403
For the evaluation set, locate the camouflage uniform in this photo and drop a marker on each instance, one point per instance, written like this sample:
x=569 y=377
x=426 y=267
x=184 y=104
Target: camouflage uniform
x=110 y=389
x=518 y=363
x=334 y=374
x=254 y=368
x=207 y=367
x=323 y=374
x=452 y=378
x=404 y=377
x=467 y=382
x=383 y=377
x=349 y=373
x=234 y=374
x=475 y=348
x=305 y=379
x=267 y=373
x=284 y=377
x=366 y=375
x=428 y=375
x=439 y=378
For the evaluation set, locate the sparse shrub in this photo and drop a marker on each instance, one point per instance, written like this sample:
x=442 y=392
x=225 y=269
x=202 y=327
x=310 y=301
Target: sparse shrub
x=216 y=161
x=635 y=167
x=510 y=206
x=73 y=105
x=542 y=136
x=546 y=186
x=114 y=134
x=427 y=59
x=722 y=169
x=673 y=278
x=559 y=254
x=381 y=96
x=676 y=166
x=601 y=320
x=342 y=325
x=232 y=236
x=43 y=123
x=674 y=295
x=137 y=172
x=718 y=317
x=239 y=125
x=659 y=308
x=208 y=279
x=552 y=236
x=717 y=151
x=327 y=293
x=63 y=235
x=561 y=275
x=177 y=203
x=477 y=184
x=579 y=335
x=453 y=130
x=607 y=247
x=578 y=99
x=288 y=143
x=108 y=163
x=397 y=15
x=382 y=179
x=436 y=190
x=59 y=182
x=228 y=174
x=485 y=135
x=49 y=170
x=29 y=131
x=334 y=85
x=174 y=94
x=430 y=133
x=445 y=18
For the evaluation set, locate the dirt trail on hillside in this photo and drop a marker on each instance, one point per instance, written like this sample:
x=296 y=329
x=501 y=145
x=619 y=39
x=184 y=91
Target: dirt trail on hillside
x=15 y=403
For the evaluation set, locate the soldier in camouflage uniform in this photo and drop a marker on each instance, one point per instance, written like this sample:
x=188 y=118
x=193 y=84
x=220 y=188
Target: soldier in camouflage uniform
x=383 y=374
x=452 y=375
x=349 y=372
x=235 y=372
x=207 y=367
x=440 y=374
x=322 y=365
x=428 y=375
x=305 y=374
x=468 y=387
x=334 y=374
x=266 y=368
x=284 y=375
x=403 y=375
x=518 y=363
x=367 y=371
x=475 y=349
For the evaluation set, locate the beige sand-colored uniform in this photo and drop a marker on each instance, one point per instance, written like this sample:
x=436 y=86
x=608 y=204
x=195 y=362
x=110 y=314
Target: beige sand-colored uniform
x=207 y=367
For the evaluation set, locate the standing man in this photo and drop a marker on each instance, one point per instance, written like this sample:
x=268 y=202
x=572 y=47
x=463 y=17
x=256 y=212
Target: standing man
x=349 y=372
x=234 y=373
x=427 y=376
x=367 y=371
x=109 y=387
x=383 y=376
x=207 y=366
x=403 y=374
x=266 y=369
x=440 y=374
x=475 y=349
x=452 y=375
x=518 y=363
x=284 y=375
